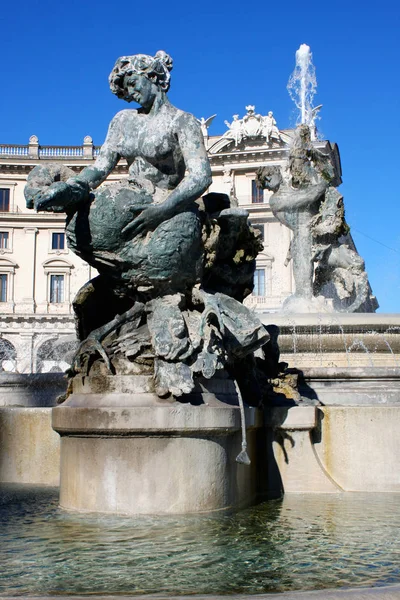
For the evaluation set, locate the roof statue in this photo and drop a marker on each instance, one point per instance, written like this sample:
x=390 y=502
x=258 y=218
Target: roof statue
x=235 y=132
x=205 y=124
x=252 y=126
x=313 y=122
x=269 y=128
x=251 y=123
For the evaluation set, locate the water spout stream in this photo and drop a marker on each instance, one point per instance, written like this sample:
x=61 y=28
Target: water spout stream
x=302 y=87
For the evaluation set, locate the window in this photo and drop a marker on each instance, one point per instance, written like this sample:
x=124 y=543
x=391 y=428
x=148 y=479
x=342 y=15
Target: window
x=259 y=282
x=58 y=241
x=58 y=274
x=4 y=200
x=259 y=227
x=7 y=274
x=3 y=240
x=257 y=195
x=3 y=288
x=56 y=289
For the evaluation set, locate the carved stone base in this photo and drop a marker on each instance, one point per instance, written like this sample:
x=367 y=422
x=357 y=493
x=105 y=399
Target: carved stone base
x=132 y=453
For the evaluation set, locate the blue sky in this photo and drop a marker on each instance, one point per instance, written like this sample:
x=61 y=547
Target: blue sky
x=56 y=57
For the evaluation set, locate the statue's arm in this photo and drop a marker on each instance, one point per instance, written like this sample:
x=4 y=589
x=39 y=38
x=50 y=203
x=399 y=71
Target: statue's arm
x=287 y=198
x=94 y=175
x=66 y=196
x=198 y=171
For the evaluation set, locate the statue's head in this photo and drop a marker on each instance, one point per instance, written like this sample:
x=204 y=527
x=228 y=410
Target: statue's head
x=302 y=135
x=138 y=76
x=269 y=178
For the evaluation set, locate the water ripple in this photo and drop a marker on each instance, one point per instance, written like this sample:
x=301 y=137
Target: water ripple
x=303 y=542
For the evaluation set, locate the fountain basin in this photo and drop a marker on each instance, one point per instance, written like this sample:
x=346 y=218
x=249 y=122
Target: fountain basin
x=337 y=339
x=351 y=438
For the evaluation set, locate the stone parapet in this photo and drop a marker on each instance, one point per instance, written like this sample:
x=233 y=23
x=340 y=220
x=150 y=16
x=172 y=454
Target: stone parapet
x=31 y=390
x=352 y=386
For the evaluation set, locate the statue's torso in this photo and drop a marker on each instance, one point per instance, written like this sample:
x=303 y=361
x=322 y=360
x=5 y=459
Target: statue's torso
x=150 y=146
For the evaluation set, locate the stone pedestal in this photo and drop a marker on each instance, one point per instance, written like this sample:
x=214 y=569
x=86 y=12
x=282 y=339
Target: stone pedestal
x=128 y=452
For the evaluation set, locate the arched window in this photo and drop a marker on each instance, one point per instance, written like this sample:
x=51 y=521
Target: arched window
x=8 y=356
x=54 y=356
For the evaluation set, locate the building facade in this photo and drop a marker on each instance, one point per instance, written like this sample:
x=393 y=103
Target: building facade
x=39 y=275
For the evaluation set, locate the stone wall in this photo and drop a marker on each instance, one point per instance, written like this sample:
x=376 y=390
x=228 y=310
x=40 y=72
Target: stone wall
x=29 y=448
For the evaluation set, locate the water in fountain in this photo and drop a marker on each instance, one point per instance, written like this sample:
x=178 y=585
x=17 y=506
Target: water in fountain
x=359 y=345
x=304 y=542
x=390 y=331
x=302 y=87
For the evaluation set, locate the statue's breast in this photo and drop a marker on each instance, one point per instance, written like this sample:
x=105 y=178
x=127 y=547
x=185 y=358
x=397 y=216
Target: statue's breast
x=157 y=146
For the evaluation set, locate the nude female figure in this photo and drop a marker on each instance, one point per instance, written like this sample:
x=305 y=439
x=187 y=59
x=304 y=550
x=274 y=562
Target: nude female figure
x=143 y=230
x=144 y=236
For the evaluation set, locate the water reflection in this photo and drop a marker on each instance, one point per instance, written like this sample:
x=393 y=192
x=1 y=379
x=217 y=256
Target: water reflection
x=302 y=542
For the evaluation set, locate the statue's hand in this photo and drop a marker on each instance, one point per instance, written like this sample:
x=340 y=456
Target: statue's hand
x=61 y=196
x=148 y=220
x=51 y=198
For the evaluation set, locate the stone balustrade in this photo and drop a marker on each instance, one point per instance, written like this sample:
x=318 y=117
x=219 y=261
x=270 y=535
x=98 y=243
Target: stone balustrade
x=256 y=299
x=34 y=150
x=13 y=150
x=55 y=151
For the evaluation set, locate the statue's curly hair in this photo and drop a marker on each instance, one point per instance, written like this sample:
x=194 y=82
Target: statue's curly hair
x=156 y=68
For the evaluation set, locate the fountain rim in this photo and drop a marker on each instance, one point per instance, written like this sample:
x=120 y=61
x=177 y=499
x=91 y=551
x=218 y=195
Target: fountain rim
x=351 y=373
x=330 y=319
x=389 y=592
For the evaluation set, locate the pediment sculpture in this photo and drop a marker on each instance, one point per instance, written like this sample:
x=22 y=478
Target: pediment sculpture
x=252 y=126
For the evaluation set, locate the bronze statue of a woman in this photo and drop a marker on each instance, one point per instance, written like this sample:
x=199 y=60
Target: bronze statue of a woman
x=173 y=268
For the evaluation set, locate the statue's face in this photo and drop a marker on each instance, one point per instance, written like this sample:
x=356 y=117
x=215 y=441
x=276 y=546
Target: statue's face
x=140 y=89
x=272 y=180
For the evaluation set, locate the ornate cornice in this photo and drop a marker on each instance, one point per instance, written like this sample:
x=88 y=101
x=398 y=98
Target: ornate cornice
x=29 y=321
